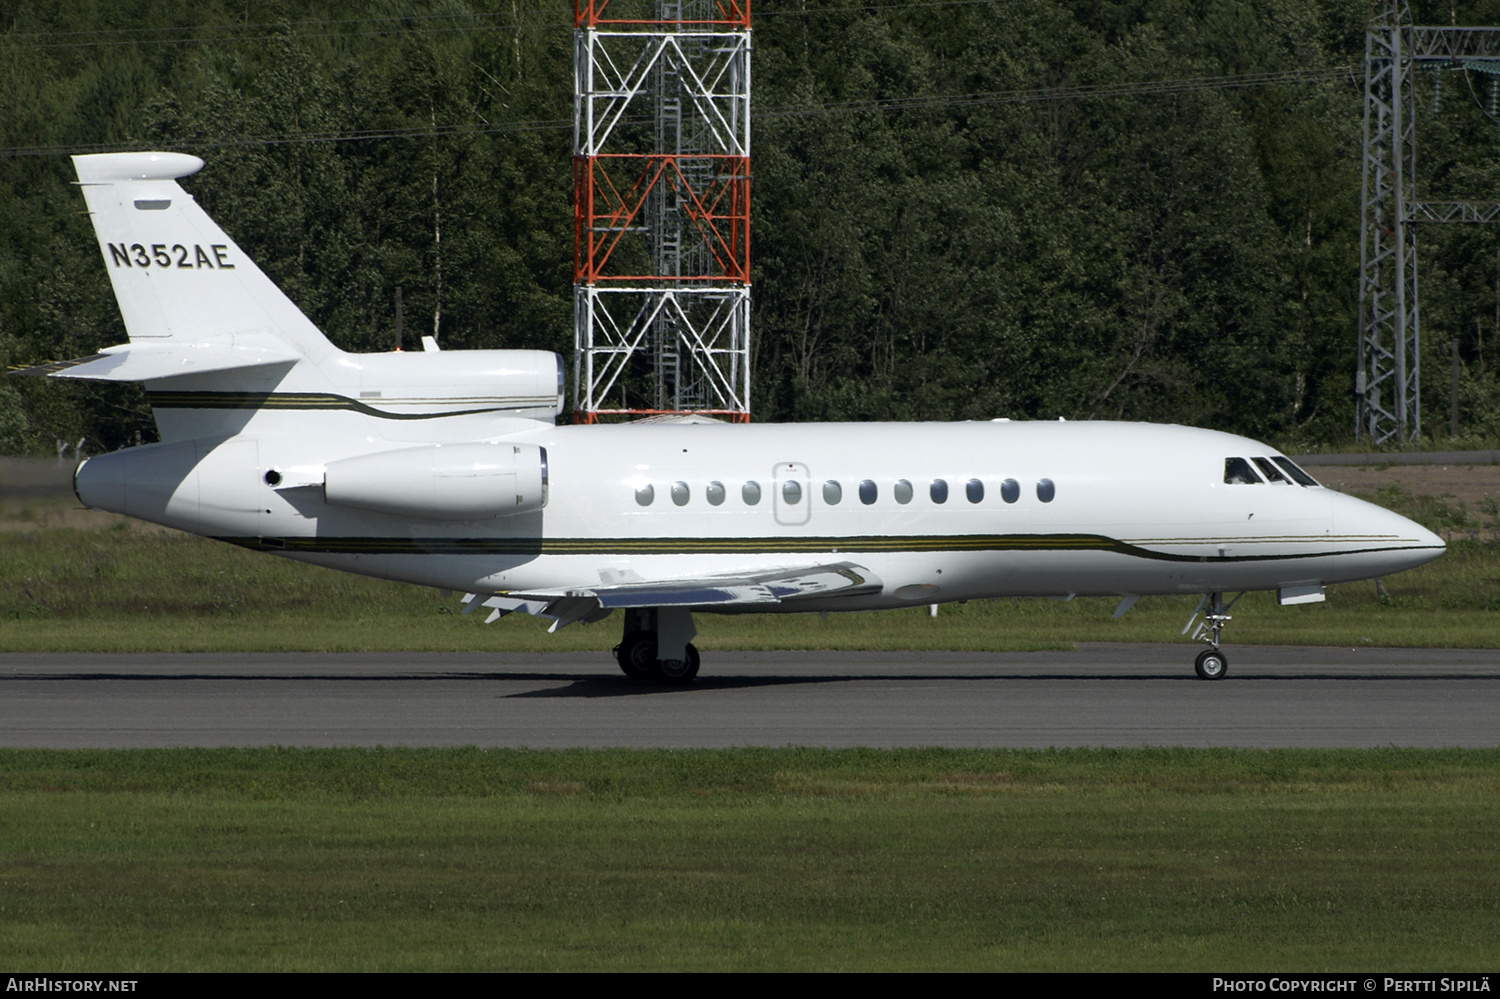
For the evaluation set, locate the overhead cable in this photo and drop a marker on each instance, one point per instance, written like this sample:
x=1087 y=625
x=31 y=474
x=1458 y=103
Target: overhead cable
x=917 y=103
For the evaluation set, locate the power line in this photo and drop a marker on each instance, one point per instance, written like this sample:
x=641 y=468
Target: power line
x=933 y=101
x=861 y=8
x=257 y=25
x=277 y=35
x=270 y=30
x=277 y=29
x=293 y=138
x=1088 y=91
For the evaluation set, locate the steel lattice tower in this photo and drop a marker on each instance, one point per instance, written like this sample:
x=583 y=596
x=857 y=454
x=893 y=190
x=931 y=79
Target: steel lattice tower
x=1387 y=382
x=661 y=186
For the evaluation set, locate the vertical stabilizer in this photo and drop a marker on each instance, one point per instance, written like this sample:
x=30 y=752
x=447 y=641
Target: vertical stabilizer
x=178 y=277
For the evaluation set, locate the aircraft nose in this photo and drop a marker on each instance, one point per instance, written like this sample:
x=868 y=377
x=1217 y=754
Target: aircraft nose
x=1428 y=539
x=1402 y=542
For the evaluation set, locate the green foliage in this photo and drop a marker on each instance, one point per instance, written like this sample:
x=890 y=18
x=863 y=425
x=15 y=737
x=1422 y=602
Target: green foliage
x=1186 y=256
x=15 y=435
x=1141 y=256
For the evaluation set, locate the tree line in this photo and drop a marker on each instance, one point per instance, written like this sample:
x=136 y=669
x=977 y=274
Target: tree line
x=961 y=210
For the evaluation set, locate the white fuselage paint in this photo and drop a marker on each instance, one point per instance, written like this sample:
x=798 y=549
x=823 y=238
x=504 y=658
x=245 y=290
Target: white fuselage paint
x=1137 y=508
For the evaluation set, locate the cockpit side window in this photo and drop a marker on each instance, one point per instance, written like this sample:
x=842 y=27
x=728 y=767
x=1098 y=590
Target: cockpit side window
x=1295 y=471
x=1273 y=474
x=1237 y=472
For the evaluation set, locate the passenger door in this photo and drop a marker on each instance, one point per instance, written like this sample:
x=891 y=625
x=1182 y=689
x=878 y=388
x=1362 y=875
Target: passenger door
x=791 y=493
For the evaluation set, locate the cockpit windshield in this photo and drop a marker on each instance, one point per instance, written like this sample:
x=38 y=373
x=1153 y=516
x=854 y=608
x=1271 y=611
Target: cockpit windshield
x=1237 y=472
x=1295 y=471
x=1241 y=472
x=1273 y=474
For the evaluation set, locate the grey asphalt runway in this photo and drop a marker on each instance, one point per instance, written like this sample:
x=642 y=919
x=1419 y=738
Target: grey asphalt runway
x=1100 y=695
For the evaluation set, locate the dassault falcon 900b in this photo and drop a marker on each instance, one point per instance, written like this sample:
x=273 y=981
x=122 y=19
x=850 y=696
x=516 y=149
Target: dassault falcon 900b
x=447 y=469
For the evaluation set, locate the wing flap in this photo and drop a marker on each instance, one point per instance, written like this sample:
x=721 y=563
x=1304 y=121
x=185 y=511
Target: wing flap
x=779 y=586
x=677 y=594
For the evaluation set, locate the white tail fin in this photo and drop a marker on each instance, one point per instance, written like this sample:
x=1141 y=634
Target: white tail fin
x=222 y=350
x=178 y=278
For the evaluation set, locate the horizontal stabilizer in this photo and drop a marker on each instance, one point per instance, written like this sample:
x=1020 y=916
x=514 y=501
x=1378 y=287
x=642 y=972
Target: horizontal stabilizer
x=779 y=586
x=142 y=362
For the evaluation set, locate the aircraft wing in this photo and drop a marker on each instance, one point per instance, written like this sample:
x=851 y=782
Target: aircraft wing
x=595 y=601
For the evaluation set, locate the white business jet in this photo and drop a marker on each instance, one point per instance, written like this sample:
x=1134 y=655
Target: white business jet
x=447 y=469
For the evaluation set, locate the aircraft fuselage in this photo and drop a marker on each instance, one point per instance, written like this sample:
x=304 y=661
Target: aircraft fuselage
x=937 y=512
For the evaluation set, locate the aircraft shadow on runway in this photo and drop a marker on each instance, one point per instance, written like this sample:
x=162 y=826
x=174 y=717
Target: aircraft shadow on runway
x=604 y=686
x=589 y=687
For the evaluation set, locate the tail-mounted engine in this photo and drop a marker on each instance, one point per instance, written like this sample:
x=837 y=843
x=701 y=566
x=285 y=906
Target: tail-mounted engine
x=443 y=481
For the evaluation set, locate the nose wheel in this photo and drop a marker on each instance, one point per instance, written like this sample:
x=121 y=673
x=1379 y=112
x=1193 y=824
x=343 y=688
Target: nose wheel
x=1211 y=663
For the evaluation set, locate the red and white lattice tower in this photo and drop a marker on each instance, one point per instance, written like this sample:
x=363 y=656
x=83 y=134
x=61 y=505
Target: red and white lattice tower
x=661 y=186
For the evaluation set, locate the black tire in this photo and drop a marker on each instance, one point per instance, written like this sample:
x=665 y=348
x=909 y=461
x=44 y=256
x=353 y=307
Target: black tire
x=1211 y=665
x=680 y=675
x=636 y=655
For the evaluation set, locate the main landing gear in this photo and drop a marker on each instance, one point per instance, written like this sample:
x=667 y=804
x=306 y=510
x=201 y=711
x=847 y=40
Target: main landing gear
x=656 y=646
x=1211 y=663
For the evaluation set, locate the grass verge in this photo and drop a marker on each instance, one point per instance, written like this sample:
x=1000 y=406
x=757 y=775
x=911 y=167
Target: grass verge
x=414 y=860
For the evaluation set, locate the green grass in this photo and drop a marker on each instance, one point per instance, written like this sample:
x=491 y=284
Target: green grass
x=749 y=860
x=66 y=589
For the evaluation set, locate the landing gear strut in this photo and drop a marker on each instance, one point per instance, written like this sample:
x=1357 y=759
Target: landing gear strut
x=648 y=631
x=1211 y=663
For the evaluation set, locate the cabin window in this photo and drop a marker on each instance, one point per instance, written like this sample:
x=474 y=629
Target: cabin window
x=1296 y=472
x=645 y=494
x=868 y=492
x=1045 y=490
x=791 y=491
x=1237 y=472
x=750 y=493
x=902 y=492
x=974 y=489
x=1010 y=490
x=938 y=490
x=714 y=493
x=681 y=493
x=832 y=493
x=1271 y=472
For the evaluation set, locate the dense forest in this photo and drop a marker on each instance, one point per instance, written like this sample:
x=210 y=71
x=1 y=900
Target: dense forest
x=1139 y=209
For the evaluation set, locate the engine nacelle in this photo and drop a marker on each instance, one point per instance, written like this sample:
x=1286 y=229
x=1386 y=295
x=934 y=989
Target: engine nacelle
x=443 y=481
x=524 y=383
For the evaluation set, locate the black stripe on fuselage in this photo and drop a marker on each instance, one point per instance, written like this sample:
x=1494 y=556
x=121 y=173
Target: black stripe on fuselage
x=313 y=401
x=751 y=546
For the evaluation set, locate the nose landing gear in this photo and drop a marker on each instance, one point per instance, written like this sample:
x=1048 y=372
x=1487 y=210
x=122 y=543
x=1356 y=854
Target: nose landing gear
x=1211 y=663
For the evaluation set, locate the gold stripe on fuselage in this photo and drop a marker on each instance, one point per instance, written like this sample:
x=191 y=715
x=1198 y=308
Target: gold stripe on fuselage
x=535 y=546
